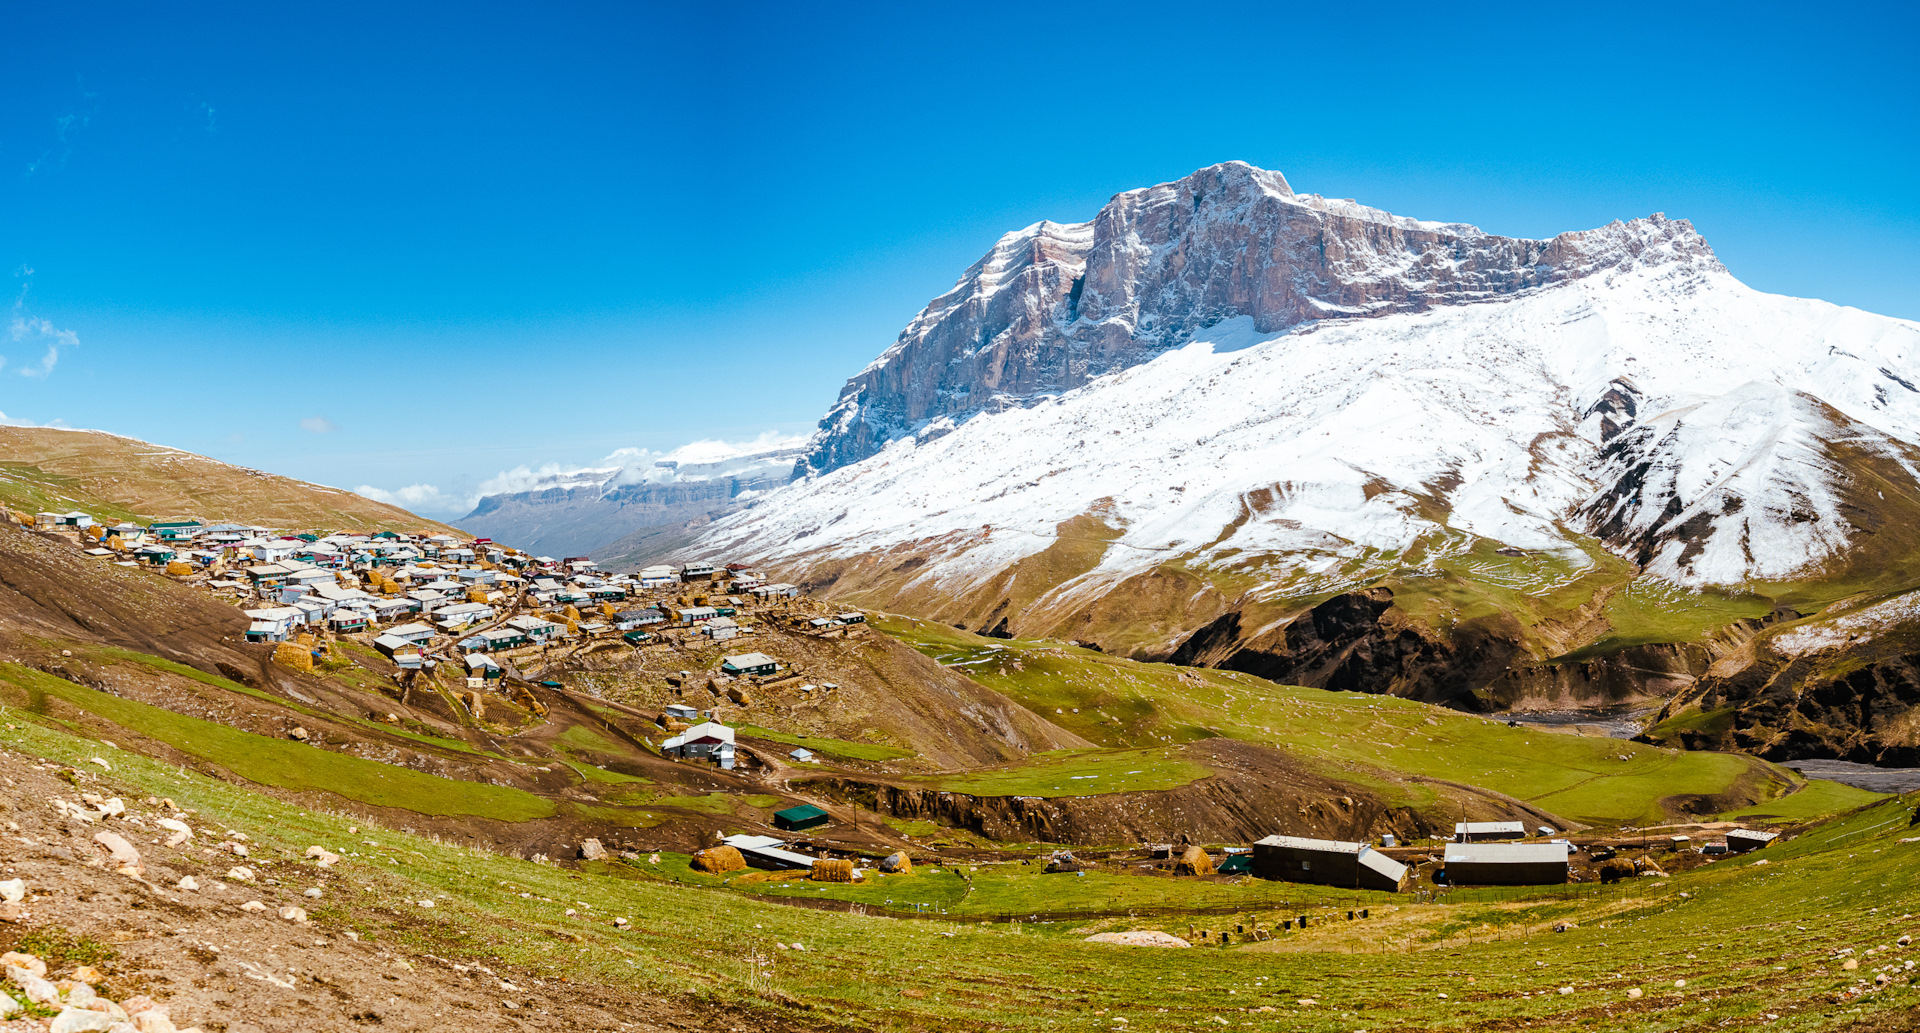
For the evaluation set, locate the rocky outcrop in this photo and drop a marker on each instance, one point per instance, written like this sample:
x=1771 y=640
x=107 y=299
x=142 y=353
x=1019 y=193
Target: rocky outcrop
x=1358 y=642
x=1053 y=306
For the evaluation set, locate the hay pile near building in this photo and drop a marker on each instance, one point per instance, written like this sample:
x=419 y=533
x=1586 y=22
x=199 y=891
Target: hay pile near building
x=1193 y=861
x=897 y=864
x=832 y=869
x=717 y=860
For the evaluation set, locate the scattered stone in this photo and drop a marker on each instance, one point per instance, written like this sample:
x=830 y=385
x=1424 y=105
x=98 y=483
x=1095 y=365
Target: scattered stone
x=13 y=891
x=104 y=766
x=296 y=915
x=253 y=905
x=1566 y=990
x=240 y=873
x=15 y=959
x=189 y=883
x=1904 y=940
x=1850 y=964
x=313 y=893
x=591 y=850
x=1634 y=994
x=89 y=975
x=182 y=832
x=327 y=858
x=298 y=733
x=81 y=1020
x=1680 y=984
x=426 y=903
x=620 y=922
x=153 y=1021
x=38 y=990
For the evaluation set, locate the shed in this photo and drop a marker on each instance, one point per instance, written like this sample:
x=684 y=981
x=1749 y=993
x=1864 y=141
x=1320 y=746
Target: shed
x=1483 y=831
x=749 y=663
x=767 y=852
x=805 y=816
x=1328 y=862
x=1506 y=864
x=802 y=755
x=1739 y=841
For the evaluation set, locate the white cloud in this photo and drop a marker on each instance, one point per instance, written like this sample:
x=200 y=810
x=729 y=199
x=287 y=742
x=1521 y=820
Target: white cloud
x=36 y=332
x=420 y=498
x=319 y=425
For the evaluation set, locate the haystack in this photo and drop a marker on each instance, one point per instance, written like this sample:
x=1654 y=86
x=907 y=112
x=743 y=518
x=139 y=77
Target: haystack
x=718 y=859
x=178 y=568
x=476 y=595
x=572 y=612
x=832 y=869
x=1193 y=861
x=294 y=655
x=897 y=864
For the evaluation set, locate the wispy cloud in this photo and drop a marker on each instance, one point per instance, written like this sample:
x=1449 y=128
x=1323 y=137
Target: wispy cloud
x=30 y=330
x=318 y=425
x=420 y=498
x=66 y=127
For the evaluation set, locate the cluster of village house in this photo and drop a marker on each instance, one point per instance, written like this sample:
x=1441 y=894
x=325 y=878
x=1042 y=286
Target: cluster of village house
x=439 y=585
x=407 y=591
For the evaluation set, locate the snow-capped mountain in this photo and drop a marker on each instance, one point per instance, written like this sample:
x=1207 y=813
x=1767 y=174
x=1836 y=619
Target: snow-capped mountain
x=568 y=512
x=1223 y=397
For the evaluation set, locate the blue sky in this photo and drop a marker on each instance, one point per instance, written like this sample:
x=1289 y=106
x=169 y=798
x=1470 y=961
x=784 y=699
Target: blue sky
x=421 y=245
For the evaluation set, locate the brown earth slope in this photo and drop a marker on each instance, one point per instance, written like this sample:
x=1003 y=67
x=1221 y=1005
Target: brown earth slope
x=124 y=478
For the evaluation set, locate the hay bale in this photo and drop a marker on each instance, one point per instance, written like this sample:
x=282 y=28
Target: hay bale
x=1616 y=868
x=832 y=869
x=293 y=655
x=178 y=568
x=1193 y=861
x=718 y=859
x=897 y=864
x=572 y=612
x=475 y=595
x=738 y=695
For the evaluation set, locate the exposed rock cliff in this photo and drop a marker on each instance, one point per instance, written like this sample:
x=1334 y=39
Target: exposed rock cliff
x=1053 y=306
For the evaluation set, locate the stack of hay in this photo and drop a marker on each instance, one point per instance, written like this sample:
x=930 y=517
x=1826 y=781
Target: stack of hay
x=718 y=859
x=897 y=864
x=294 y=655
x=1193 y=861
x=476 y=595
x=832 y=869
x=178 y=568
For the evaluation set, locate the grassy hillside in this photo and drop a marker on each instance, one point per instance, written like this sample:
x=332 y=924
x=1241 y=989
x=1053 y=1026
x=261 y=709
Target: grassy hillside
x=123 y=479
x=1374 y=741
x=1754 y=941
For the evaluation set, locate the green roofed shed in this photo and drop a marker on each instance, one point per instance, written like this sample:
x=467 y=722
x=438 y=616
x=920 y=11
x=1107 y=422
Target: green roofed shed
x=805 y=816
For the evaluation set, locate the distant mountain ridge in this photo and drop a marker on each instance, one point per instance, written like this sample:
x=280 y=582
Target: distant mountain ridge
x=583 y=512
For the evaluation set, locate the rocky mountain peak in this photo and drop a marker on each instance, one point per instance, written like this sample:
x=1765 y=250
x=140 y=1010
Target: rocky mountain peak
x=1054 y=305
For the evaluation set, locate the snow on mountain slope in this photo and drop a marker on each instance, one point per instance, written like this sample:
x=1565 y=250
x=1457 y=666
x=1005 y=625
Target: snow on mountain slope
x=1704 y=429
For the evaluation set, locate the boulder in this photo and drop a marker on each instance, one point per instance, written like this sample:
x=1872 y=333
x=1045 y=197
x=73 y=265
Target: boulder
x=13 y=891
x=182 y=832
x=118 y=852
x=591 y=850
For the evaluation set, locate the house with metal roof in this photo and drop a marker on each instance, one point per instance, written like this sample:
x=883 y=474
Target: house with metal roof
x=797 y=819
x=1506 y=864
x=749 y=663
x=1327 y=862
x=1485 y=831
x=767 y=852
x=1739 y=841
x=709 y=740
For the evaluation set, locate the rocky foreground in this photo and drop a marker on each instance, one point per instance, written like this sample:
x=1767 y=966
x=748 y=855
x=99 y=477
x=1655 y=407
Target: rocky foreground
x=132 y=915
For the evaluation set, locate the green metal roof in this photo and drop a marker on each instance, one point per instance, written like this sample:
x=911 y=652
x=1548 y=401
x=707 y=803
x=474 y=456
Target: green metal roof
x=804 y=812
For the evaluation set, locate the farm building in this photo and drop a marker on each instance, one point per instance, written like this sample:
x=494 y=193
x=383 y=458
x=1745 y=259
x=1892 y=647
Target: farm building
x=802 y=755
x=697 y=572
x=696 y=614
x=795 y=819
x=767 y=852
x=710 y=740
x=627 y=620
x=720 y=629
x=1739 y=841
x=1485 y=831
x=1327 y=862
x=682 y=712
x=749 y=663
x=1506 y=864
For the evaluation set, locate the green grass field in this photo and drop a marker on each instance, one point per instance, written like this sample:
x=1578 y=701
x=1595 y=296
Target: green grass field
x=1751 y=937
x=836 y=748
x=1369 y=740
